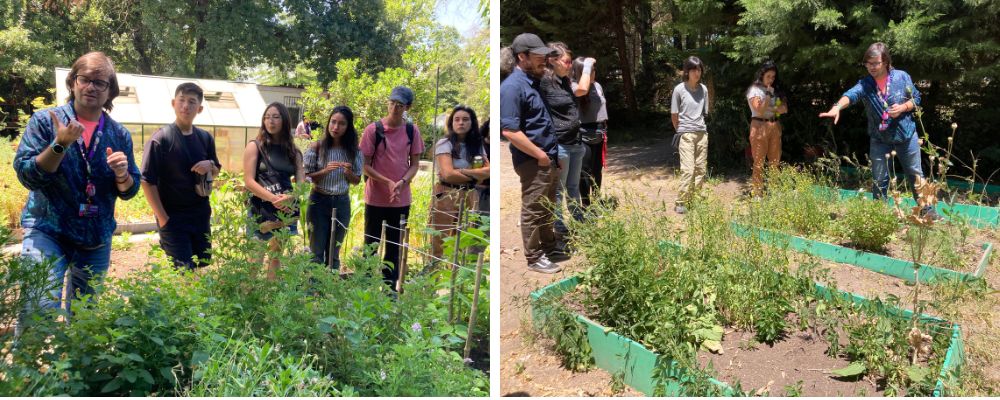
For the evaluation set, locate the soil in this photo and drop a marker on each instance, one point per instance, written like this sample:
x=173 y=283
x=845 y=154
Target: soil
x=775 y=369
x=529 y=366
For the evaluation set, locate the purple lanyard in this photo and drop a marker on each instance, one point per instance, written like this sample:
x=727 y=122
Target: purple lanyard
x=87 y=156
x=885 y=102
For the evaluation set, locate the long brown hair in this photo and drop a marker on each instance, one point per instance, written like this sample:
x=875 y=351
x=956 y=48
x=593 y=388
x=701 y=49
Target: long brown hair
x=284 y=135
x=348 y=141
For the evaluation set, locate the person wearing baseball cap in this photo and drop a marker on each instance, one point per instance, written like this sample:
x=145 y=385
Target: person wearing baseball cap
x=391 y=147
x=527 y=124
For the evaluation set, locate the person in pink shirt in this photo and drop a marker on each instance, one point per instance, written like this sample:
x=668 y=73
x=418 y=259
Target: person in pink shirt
x=392 y=148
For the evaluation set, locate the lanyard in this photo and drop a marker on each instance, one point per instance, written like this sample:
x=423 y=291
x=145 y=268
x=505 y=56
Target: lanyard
x=88 y=156
x=884 y=96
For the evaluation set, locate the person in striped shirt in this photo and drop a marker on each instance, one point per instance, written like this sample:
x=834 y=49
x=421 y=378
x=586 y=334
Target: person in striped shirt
x=334 y=164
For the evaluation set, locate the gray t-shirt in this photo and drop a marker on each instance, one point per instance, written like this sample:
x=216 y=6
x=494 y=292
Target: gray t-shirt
x=443 y=146
x=593 y=108
x=691 y=107
x=757 y=91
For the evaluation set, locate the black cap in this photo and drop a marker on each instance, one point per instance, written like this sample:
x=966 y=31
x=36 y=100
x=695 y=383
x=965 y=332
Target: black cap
x=530 y=42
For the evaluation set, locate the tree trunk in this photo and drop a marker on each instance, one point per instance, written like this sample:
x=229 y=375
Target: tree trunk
x=618 y=24
x=202 y=67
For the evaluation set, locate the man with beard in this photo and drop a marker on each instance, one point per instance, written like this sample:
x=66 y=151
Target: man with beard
x=527 y=124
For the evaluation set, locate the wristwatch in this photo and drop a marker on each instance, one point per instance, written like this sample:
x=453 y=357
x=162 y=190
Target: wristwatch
x=57 y=148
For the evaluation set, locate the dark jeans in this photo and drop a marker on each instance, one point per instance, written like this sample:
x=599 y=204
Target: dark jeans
x=538 y=194
x=319 y=215
x=592 y=172
x=374 y=216
x=484 y=200
x=186 y=235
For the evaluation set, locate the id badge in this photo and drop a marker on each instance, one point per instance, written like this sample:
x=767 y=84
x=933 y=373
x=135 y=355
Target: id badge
x=88 y=210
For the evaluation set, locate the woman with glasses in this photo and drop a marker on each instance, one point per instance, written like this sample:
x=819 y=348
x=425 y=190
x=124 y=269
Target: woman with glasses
x=76 y=163
x=462 y=163
x=556 y=89
x=765 y=130
x=269 y=163
x=890 y=99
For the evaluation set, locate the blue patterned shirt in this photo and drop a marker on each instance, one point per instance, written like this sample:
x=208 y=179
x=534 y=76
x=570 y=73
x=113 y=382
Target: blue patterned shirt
x=54 y=199
x=900 y=129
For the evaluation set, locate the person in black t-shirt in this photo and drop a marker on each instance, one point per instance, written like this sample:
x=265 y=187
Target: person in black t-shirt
x=178 y=157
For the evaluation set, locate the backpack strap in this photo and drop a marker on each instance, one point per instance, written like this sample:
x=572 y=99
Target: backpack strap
x=380 y=137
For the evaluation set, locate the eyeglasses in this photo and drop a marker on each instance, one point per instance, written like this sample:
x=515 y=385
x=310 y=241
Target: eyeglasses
x=871 y=65
x=98 y=84
x=394 y=103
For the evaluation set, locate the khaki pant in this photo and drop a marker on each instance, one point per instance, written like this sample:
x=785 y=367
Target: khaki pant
x=538 y=194
x=693 y=150
x=445 y=207
x=765 y=142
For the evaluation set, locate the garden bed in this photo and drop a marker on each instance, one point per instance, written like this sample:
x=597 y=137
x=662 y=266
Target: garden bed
x=636 y=364
x=883 y=264
x=979 y=216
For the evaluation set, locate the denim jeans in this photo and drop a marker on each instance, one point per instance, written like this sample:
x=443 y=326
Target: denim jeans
x=85 y=265
x=571 y=163
x=908 y=154
x=319 y=214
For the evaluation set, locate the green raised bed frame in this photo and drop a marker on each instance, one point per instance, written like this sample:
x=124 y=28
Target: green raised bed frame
x=895 y=267
x=622 y=356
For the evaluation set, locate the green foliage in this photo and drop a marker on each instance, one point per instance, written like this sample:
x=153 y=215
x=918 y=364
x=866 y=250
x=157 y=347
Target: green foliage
x=248 y=368
x=793 y=204
x=676 y=300
x=226 y=330
x=870 y=224
x=570 y=336
x=13 y=195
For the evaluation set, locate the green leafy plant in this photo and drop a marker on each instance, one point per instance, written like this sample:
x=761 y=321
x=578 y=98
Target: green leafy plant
x=870 y=224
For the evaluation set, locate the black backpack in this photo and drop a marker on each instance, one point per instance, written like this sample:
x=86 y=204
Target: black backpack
x=380 y=138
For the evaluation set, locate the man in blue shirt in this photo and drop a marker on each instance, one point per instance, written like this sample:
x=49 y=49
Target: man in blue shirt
x=890 y=99
x=527 y=124
x=76 y=162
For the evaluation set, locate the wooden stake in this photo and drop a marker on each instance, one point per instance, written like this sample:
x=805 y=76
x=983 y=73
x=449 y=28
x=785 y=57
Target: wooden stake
x=403 y=244
x=333 y=239
x=454 y=267
x=475 y=303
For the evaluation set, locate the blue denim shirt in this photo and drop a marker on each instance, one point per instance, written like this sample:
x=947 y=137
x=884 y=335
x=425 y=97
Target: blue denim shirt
x=900 y=129
x=54 y=199
x=522 y=109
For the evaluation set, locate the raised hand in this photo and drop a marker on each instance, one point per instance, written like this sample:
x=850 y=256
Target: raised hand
x=117 y=162
x=66 y=134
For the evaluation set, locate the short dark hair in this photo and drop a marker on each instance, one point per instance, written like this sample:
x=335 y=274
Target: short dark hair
x=691 y=63
x=89 y=59
x=190 y=88
x=879 y=49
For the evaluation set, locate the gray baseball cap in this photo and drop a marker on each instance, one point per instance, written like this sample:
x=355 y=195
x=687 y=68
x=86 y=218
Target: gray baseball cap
x=402 y=94
x=530 y=42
